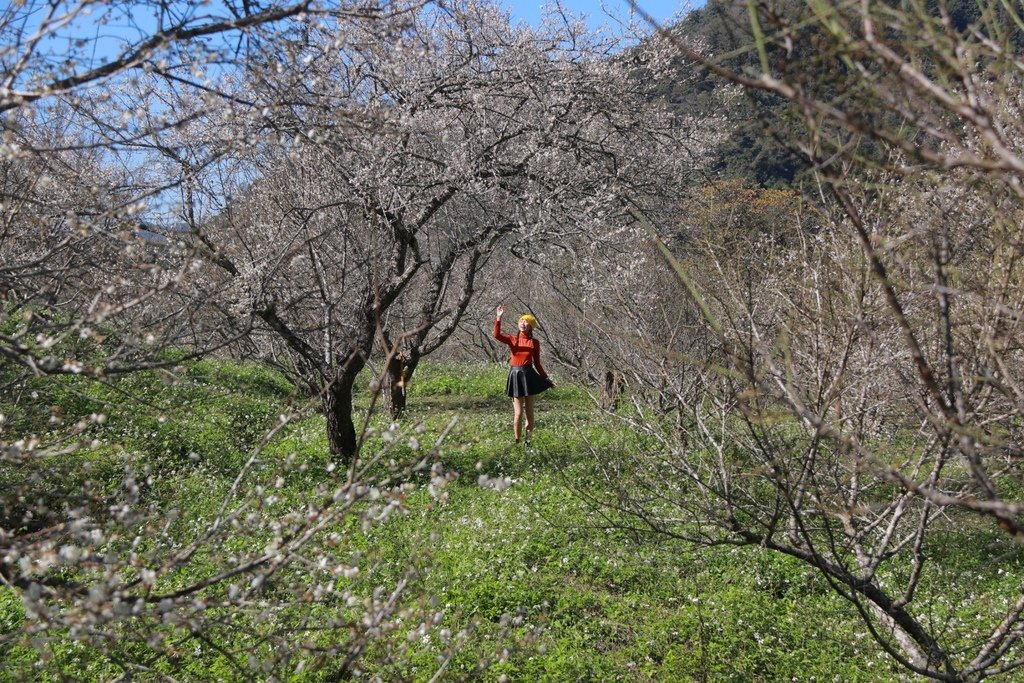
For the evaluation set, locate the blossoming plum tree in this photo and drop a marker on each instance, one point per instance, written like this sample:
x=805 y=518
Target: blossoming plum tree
x=857 y=407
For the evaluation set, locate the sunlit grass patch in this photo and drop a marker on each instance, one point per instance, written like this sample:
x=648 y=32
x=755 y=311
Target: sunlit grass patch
x=533 y=575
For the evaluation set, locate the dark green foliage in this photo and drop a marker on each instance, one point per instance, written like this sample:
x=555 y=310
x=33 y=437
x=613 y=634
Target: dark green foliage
x=752 y=150
x=757 y=148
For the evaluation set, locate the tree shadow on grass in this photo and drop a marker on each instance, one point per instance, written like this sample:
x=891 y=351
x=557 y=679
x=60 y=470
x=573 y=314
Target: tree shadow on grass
x=461 y=404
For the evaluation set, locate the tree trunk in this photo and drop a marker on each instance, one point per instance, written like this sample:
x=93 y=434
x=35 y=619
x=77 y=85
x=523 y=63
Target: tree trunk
x=341 y=430
x=610 y=389
x=399 y=372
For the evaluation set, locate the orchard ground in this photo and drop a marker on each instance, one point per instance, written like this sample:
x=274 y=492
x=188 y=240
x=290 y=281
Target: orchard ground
x=517 y=552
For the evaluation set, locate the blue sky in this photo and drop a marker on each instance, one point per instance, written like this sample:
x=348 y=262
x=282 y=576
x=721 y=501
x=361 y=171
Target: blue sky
x=530 y=10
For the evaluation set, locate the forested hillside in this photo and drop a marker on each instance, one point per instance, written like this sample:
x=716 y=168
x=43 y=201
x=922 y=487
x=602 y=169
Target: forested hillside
x=254 y=420
x=751 y=151
x=759 y=148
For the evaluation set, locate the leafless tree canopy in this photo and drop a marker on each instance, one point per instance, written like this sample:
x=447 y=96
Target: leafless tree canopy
x=853 y=399
x=300 y=184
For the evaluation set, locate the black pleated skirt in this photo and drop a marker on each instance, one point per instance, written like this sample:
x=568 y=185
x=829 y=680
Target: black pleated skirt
x=523 y=380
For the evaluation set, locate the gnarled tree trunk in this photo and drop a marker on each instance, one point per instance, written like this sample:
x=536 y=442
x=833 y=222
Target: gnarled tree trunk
x=611 y=387
x=341 y=430
x=400 y=369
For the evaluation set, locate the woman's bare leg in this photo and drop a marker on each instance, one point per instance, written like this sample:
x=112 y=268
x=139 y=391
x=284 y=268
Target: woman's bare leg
x=529 y=416
x=517 y=417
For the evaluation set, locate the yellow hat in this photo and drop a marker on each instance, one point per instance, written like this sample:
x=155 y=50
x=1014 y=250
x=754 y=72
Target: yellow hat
x=530 y=320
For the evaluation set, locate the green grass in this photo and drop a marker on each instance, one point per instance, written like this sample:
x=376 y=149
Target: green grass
x=527 y=570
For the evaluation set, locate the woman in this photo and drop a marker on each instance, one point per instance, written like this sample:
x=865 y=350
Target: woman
x=524 y=382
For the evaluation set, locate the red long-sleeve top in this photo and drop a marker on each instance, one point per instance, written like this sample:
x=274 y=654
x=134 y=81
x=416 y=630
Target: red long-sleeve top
x=525 y=349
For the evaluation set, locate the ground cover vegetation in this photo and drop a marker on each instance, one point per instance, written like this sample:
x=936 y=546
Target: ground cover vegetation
x=522 y=578
x=779 y=243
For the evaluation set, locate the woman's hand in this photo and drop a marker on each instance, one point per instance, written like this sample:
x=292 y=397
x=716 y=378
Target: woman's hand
x=501 y=311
